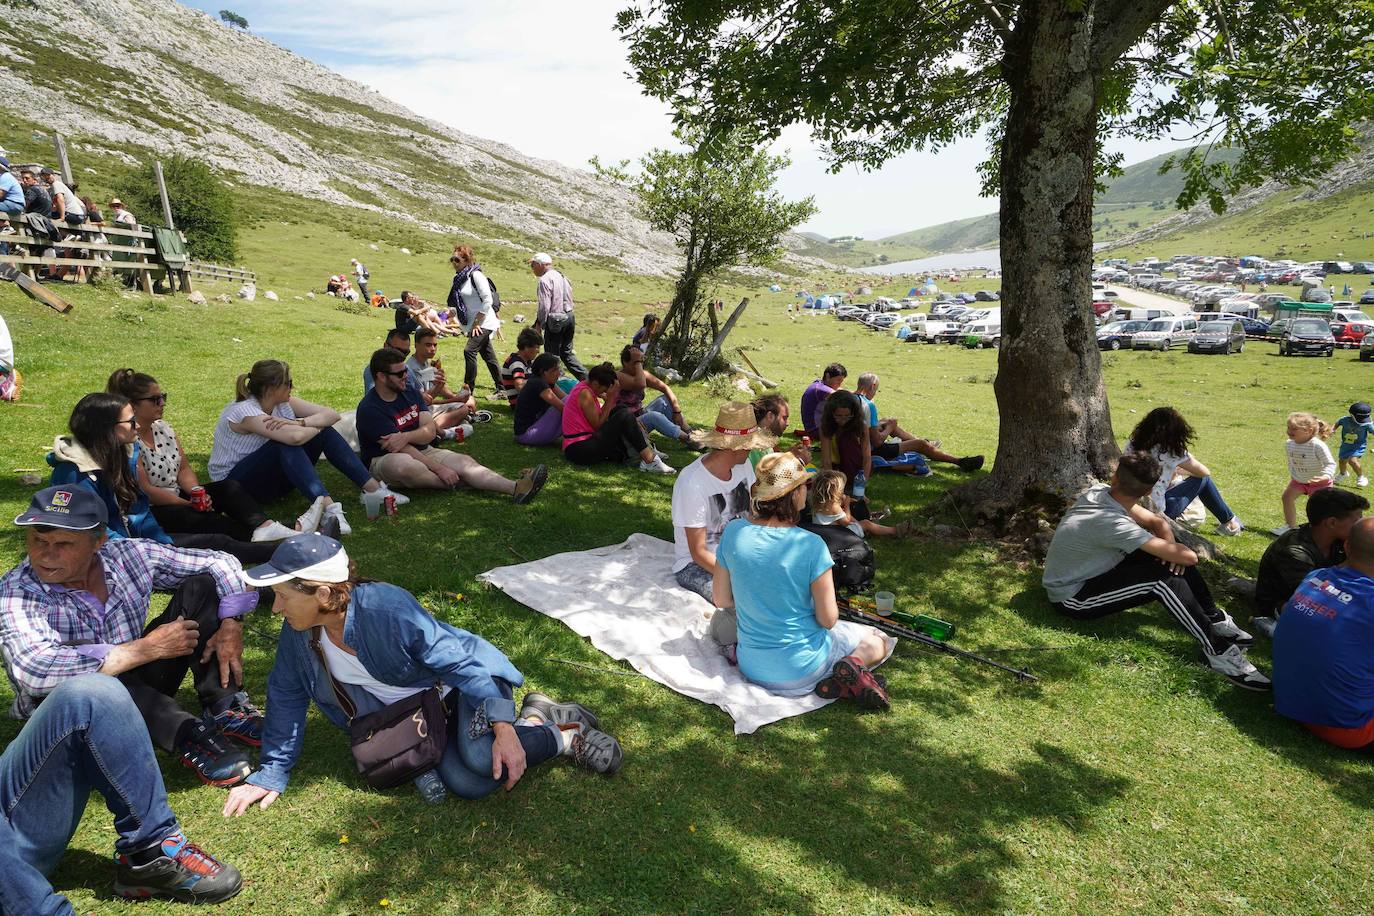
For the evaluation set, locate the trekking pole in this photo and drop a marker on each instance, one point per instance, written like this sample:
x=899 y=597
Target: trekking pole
x=896 y=629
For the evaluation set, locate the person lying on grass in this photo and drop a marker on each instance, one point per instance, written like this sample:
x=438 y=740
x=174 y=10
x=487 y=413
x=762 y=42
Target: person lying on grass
x=880 y=430
x=1110 y=554
x=829 y=506
x=380 y=646
x=778 y=579
x=1324 y=648
x=395 y=429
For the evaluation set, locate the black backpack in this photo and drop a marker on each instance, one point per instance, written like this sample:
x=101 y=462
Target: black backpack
x=854 y=560
x=495 y=296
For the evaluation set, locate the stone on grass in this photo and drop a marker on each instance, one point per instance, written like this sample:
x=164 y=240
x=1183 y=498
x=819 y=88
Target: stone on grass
x=310 y=295
x=374 y=247
x=223 y=297
x=196 y=298
x=405 y=251
x=247 y=291
x=270 y=296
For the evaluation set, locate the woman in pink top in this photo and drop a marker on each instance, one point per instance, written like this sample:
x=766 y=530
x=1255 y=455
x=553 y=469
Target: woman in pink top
x=596 y=429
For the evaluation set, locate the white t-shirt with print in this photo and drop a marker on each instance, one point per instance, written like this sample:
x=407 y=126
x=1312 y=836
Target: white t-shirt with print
x=703 y=500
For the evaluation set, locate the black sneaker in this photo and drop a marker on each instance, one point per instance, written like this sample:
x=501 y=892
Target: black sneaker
x=183 y=872
x=554 y=713
x=241 y=721
x=215 y=760
x=482 y=416
x=596 y=750
x=971 y=463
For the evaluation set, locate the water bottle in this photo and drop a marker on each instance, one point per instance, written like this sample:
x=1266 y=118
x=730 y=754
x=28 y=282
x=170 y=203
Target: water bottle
x=431 y=787
x=860 y=483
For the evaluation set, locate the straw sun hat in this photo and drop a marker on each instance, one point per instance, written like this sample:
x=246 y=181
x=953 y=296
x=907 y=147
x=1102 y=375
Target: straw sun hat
x=777 y=475
x=735 y=428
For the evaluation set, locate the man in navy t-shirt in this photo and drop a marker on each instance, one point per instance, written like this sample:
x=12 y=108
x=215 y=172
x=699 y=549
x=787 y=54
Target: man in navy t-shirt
x=395 y=428
x=1324 y=648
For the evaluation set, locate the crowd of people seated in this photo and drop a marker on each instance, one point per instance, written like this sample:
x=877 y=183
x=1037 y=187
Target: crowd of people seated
x=754 y=526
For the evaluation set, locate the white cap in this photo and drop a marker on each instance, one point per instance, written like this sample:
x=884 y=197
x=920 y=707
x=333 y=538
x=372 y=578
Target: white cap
x=540 y=258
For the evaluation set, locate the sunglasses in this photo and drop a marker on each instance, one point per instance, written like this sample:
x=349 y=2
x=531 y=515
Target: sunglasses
x=158 y=399
x=399 y=373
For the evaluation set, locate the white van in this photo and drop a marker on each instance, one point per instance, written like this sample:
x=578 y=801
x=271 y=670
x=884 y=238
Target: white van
x=1163 y=333
x=1348 y=315
x=983 y=334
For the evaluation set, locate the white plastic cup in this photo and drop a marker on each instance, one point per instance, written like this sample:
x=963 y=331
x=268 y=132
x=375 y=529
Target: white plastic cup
x=884 y=602
x=372 y=502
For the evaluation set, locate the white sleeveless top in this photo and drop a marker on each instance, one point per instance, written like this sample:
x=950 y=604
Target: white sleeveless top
x=162 y=459
x=347 y=669
x=230 y=447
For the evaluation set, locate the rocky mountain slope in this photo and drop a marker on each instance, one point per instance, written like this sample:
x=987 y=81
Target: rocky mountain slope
x=140 y=77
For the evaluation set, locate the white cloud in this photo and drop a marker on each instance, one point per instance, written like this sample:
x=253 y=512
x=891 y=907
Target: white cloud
x=551 y=79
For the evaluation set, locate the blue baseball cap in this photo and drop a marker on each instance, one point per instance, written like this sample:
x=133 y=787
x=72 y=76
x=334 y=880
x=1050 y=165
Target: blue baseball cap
x=70 y=507
x=305 y=556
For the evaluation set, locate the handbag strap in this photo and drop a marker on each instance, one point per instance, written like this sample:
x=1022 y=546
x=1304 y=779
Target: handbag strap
x=345 y=701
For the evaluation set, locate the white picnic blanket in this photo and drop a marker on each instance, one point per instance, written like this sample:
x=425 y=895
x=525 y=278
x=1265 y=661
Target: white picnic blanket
x=625 y=600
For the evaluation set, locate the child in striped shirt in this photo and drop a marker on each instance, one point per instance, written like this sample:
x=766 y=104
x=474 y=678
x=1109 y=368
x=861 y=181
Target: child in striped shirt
x=1310 y=465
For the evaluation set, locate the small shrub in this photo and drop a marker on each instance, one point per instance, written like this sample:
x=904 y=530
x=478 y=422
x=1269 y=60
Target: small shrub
x=719 y=386
x=970 y=379
x=352 y=308
x=1134 y=383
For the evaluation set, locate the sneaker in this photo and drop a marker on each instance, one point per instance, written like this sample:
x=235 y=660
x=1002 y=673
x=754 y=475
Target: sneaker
x=215 y=760
x=241 y=721
x=1265 y=625
x=335 y=511
x=483 y=416
x=1342 y=477
x=1231 y=528
x=657 y=466
x=1236 y=668
x=401 y=498
x=1226 y=628
x=1361 y=481
x=273 y=531
x=1280 y=530
x=596 y=750
x=971 y=463
x=310 y=521
x=530 y=483
x=544 y=707
x=850 y=680
x=183 y=872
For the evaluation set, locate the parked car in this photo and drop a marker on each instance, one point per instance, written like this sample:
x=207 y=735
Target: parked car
x=987 y=295
x=1364 y=267
x=1367 y=297
x=1224 y=337
x=983 y=334
x=883 y=321
x=929 y=331
x=1256 y=327
x=848 y=312
x=1347 y=313
x=1350 y=333
x=1367 y=348
x=1163 y=333
x=1310 y=336
x=1101 y=307
x=1315 y=294
x=951 y=335
x=966 y=297
x=1118 y=334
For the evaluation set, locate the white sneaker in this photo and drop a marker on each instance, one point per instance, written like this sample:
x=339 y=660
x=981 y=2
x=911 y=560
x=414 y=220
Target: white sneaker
x=1226 y=628
x=1362 y=481
x=335 y=511
x=1342 y=477
x=1280 y=530
x=310 y=522
x=273 y=531
x=657 y=466
x=1231 y=528
x=1236 y=668
x=401 y=498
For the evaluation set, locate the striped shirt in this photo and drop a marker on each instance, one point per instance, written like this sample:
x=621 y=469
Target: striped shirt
x=49 y=633
x=1310 y=459
x=232 y=447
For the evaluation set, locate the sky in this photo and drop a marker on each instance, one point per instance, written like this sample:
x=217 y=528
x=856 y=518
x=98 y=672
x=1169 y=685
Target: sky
x=550 y=78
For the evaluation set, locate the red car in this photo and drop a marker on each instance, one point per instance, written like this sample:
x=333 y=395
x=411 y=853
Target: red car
x=1102 y=307
x=1350 y=334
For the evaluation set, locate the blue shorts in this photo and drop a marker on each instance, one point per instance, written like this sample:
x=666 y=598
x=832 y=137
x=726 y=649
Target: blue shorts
x=1355 y=451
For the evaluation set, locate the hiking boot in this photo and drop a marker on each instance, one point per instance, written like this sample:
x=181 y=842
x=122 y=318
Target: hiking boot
x=554 y=713
x=183 y=872
x=855 y=682
x=1236 y=668
x=530 y=483
x=971 y=463
x=1265 y=625
x=241 y=720
x=596 y=750
x=215 y=760
x=1226 y=628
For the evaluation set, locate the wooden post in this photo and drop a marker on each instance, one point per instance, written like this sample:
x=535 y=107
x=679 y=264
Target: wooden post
x=63 y=166
x=162 y=192
x=720 y=339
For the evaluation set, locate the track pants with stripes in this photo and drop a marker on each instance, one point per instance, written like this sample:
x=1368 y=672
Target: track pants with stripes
x=1139 y=579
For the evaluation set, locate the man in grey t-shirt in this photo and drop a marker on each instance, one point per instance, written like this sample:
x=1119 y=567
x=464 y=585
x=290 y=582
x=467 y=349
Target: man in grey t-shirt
x=1110 y=554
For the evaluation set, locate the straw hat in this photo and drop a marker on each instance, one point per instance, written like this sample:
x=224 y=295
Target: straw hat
x=778 y=474
x=735 y=428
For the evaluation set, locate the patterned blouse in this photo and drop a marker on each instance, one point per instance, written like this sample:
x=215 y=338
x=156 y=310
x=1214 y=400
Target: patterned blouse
x=162 y=459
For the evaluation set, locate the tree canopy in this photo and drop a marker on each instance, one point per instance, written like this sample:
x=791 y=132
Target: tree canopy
x=202 y=206
x=232 y=18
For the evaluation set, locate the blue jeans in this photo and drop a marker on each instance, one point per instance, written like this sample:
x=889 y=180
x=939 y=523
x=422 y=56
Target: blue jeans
x=277 y=468
x=466 y=767
x=1177 y=498
x=658 y=417
x=86 y=736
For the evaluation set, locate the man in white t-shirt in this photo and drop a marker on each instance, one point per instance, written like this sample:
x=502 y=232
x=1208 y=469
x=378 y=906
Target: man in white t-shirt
x=710 y=493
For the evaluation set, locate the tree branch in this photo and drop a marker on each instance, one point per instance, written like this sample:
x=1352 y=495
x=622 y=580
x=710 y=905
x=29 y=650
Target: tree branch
x=1119 y=24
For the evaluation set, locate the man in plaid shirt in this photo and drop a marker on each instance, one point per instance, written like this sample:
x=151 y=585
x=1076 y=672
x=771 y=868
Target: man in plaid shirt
x=78 y=604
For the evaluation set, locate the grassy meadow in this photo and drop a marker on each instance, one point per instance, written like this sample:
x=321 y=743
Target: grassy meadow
x=1129 y=780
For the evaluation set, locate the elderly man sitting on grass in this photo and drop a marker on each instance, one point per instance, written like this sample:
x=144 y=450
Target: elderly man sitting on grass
x=881 y=430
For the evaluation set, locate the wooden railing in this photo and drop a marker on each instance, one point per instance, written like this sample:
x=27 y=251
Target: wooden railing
x=130 y=251
x=221 y=272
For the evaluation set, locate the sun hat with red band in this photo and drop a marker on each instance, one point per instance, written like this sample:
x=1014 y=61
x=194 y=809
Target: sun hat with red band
x=735 y=428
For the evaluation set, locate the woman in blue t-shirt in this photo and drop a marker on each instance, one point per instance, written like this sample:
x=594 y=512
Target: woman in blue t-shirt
x=777 y=577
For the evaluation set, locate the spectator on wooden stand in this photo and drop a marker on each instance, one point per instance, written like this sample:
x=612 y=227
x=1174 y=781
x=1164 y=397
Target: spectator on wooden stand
x=122 y=216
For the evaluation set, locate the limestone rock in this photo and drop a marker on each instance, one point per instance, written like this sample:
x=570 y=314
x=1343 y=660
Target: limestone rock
x=270 y=296
x=374 y=247
x=223 y=297
x=247 y=291
x=310 y=295
x=405 y=251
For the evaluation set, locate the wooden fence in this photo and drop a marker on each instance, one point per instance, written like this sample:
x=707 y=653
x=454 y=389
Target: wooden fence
x=126 y=252
x=221 y=272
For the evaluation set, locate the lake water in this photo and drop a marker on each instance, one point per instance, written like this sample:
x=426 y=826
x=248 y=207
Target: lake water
x=959 y=260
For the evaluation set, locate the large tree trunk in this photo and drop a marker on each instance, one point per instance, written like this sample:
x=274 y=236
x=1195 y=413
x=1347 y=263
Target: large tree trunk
x=1055 y=433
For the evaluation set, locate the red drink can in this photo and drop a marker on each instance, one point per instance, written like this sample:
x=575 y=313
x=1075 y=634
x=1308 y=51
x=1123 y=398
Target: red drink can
x=806 y=441
x=200 y=500
x=389 y=505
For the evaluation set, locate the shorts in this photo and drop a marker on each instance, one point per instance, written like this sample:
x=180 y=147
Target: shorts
x=1306 y=489
x=1355 y=451
x=888 y=451
x=1361 y=736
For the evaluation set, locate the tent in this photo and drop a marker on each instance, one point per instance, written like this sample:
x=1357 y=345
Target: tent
x=912 y=292
x=775 y=288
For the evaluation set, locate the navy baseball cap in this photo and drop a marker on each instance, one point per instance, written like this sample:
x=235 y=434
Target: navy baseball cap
x=305 y=556
x=1359 y=410
x=71 y=507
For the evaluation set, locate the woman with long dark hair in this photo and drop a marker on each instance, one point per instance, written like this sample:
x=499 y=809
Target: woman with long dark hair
x=102 y=455
x=470 y=297
x=166 y=477
x=1165 y=435
x=845 y=444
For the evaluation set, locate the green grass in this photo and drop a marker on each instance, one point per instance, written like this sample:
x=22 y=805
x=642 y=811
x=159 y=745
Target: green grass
x=1131 y=779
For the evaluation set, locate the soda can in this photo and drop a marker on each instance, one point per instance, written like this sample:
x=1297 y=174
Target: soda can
x=806 y=441
x=389 y=504
x=200 y=500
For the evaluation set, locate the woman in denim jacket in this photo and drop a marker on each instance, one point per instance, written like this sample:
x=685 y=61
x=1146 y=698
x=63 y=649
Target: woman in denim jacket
x=382 y=646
